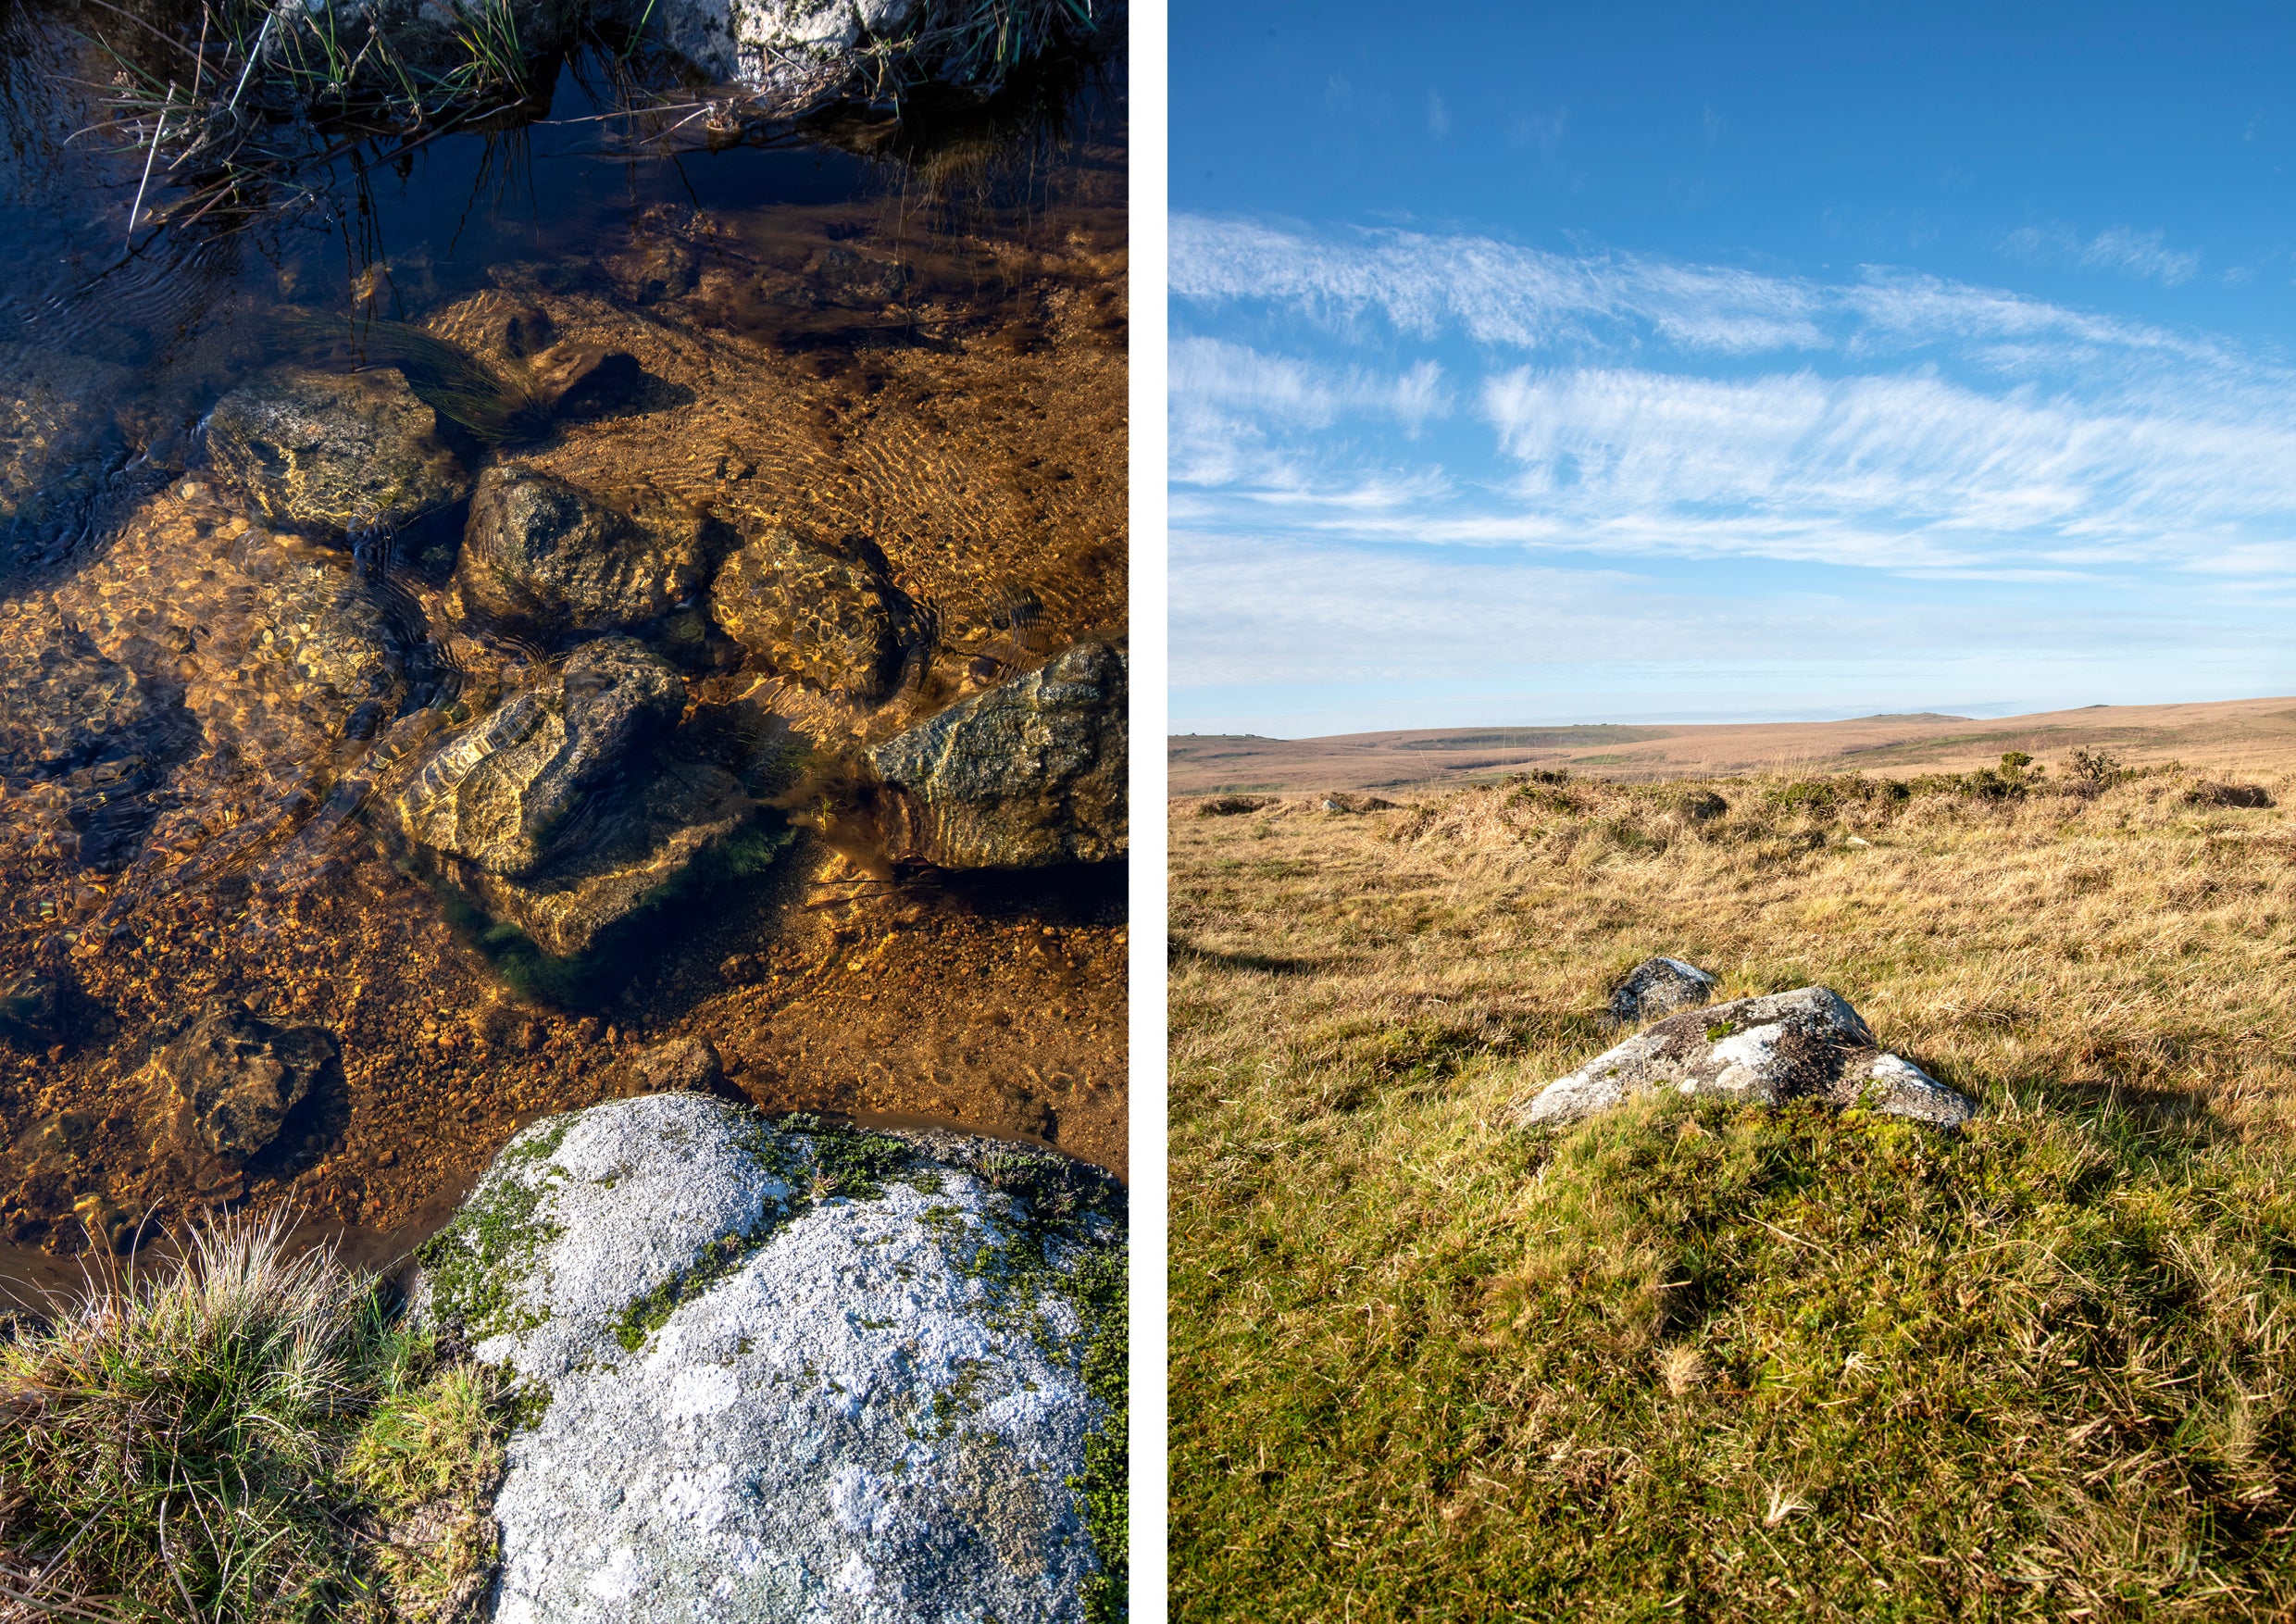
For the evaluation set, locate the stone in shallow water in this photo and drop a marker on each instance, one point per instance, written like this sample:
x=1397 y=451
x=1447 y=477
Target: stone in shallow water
x=682 y=1063
x=1659 y=986
x=85 y=740
x=1030 y=773
x=60 y=439
x=809 y=613
x=548 y=557
x=32 y=1010
x=780 y=1388
x=1767 y=1051
x=234 y=1077
x=648 y=842
x=531 y=779
x=333 y=453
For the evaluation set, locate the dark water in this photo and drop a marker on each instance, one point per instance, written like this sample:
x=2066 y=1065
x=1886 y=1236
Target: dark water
x=910 y=340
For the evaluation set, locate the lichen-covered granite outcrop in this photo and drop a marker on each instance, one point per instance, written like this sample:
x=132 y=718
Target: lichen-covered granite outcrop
x=791 y=1372
x=1805 y=1043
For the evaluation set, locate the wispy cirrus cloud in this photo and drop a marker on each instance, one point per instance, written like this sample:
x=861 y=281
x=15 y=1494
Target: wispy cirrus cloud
x=2120 y=249
x=1566 y=413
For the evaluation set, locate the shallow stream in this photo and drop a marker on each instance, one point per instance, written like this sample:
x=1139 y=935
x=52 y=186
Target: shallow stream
x=219 y=675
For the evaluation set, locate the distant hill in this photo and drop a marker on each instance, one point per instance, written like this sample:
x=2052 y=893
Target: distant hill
x=2229 y=733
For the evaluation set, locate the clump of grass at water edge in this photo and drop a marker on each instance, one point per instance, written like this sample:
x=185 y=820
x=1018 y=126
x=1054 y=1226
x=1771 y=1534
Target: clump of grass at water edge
x=249 y=1436
x=1689 y=1361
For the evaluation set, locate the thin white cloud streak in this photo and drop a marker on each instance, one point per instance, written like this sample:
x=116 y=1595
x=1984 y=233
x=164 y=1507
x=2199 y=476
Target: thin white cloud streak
x=1212 y=374
x=1909 y=470
x=2121 y=249
x=1504 y=294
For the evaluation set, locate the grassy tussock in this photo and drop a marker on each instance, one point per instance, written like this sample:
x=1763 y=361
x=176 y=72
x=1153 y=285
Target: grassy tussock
x=246 y=1436
x=1683 y=1361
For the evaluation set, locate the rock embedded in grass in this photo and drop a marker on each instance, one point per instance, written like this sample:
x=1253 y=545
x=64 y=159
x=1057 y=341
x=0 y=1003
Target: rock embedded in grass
x=545 y=557
x=1030 y=773
x=1659 y=986
x=335 y=454
x=1807 y=1044
x=788 y=1374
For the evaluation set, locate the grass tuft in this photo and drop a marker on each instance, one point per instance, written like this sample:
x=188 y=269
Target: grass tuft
x=218 y=1442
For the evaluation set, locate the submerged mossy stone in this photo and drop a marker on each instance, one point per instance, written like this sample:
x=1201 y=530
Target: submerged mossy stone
x=526 y=783
x=1806 y=1045
x=1028 y=774
x=545 y=556
x=806 y=612
x=60 y=440
x=335 y=454
x=790 y=1375
x=639 y=851
x=234 y=1077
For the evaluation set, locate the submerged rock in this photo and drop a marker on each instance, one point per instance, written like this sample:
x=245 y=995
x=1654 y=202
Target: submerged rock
x=32 y=1010
x=1030 y=773
x=790 y=1375
x=682 y=1063
x=547 y=558
x=334 y=453
x=529 y=780
x=645 y=847
x=234 y=1077
x=806 y=612
x=1659 y=986
x=1807 y=1043
x=60 y=439
x=85 y=740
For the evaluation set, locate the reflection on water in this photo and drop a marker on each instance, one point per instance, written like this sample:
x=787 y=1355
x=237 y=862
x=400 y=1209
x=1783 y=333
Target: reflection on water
x=365 y=694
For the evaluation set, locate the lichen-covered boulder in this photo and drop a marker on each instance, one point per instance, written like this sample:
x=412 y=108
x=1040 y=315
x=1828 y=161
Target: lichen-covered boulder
x=794 y=49
x=331 y=453
x=1659 y=986
x=546 y=558
x=232 y=1078
x=809 y=613
x=1807 y=1044
x=815 y=1374
x=506 y=793
x=1030 y=773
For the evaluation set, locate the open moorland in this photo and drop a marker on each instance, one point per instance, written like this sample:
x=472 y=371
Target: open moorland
x=1687 y=1360
x=2232 y=734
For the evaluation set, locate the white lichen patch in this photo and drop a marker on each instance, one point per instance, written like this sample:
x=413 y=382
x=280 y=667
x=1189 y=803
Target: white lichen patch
x=869 y=1409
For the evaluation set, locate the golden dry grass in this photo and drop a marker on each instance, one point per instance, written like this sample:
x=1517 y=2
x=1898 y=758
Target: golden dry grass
x=1690 y=1362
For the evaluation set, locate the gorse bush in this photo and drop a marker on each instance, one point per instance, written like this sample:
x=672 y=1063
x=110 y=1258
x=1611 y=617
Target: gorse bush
x=235 y=1439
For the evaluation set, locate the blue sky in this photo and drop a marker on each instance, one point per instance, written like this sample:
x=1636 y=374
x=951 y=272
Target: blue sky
x=1671 y=363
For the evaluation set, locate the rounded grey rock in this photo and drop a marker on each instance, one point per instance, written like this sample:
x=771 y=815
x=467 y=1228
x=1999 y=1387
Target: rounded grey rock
x=1659 y=986
x=790 y=1375
x=331 y=453
x=1767 y=1051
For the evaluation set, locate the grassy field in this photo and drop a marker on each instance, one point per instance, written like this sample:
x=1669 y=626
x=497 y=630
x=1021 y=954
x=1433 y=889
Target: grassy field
x=1690 y=1362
